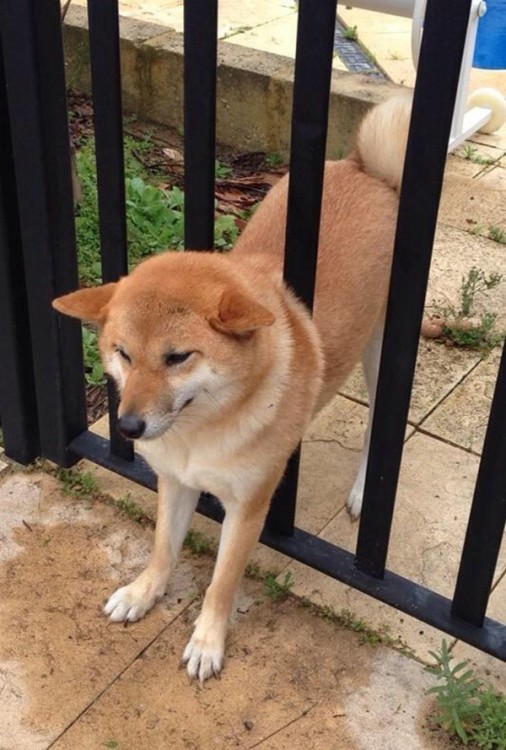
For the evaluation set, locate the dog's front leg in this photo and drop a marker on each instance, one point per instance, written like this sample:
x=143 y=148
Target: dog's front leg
x=241 y=530
x=176 y=505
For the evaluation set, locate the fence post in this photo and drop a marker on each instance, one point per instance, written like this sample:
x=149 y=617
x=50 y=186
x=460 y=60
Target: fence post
x=200 y=57
x=488 y=516
x=433 y=104
x=34 y=68
x=311 y=92
x=17 y=388
x=108 y=120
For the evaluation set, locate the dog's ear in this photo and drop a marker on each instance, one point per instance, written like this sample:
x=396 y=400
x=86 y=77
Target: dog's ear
x=239 y=314
x=86 y=304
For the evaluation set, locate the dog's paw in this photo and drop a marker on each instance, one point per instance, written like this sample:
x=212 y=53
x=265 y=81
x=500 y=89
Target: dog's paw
x=204 y=657
x=354 y=501
x=130 y=603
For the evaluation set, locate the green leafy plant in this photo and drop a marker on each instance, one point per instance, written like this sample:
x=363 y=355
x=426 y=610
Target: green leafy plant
x=466 y=707
x=490 y=731
x=225 y=232
x=456 y=696
x=222 y=170
x=94 y=370
x=155 y=218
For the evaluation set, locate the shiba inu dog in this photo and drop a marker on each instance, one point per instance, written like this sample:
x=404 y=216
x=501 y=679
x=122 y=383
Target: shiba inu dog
x=220 y=367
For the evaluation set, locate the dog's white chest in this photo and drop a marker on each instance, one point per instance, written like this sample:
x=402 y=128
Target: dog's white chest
x=202 y=467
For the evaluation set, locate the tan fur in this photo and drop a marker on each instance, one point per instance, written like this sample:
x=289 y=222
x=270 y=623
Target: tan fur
x=226 y=420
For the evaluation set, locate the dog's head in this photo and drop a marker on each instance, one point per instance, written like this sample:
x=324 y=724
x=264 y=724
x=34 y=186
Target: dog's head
x=179 y=336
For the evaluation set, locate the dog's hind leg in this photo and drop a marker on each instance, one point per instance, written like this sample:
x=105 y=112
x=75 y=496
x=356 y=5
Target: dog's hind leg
x=176 y=505
x=370 y=363
x=240 y=532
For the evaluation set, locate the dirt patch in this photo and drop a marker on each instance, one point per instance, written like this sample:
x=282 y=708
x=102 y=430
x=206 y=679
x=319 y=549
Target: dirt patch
x=57 y=652
x=69 y=679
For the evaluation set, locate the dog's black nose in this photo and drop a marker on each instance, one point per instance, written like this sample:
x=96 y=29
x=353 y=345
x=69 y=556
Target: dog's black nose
x=131 y=426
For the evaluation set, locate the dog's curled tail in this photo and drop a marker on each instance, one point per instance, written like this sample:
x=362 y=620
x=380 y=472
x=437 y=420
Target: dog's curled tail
x=381 y=139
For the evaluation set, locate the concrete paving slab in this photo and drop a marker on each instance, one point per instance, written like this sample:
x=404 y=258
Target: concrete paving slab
x=482 y=158
x=455 y=253
x=496 y=140
x=232 y=16
x=438 y=371
x=462 y=418
x=469 y=203
x=341 y=421
x=427 y=535
x=60 y=559
x=278 y=35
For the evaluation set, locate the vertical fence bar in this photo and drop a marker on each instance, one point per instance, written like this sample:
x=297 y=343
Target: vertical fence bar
x=18 y=407
x=435 y=91
x=200 y=59
x=34 y=67
x=313 y=69
x=103 y=17
x=488 y=516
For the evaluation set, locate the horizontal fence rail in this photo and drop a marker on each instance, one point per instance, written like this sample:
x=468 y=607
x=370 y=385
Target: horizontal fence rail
x=38 y=258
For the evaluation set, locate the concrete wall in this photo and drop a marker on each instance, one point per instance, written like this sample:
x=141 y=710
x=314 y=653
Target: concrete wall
x=254 y=88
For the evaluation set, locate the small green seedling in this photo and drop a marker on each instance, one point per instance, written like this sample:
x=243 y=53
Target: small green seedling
x=199 y=543
x=78 y=484
x=275 y=590
x=130 y=508
x=462 y=325
x=497 y=234
x=274 y=160
x=351 y=33
x=471 y=153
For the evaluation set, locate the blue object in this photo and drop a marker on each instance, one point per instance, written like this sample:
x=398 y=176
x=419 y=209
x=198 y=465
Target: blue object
x=490 y=51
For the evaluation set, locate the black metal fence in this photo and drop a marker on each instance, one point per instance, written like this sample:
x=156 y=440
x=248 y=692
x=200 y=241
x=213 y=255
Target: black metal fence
x=42 y=394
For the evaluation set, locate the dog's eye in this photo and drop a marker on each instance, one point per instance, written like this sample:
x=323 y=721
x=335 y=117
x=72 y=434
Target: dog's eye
x=122 y=353
x=175 y=358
